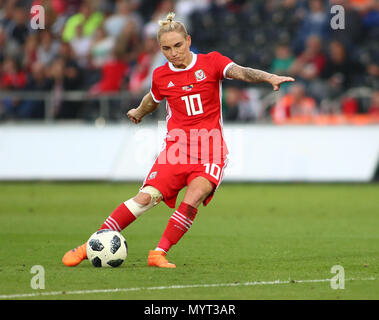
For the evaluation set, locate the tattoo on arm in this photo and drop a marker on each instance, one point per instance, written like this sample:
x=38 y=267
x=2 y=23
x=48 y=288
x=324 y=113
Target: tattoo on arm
x=247 y=74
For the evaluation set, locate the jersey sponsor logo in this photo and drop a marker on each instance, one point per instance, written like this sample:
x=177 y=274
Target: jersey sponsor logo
x=187 y=88
x=200 y=75
x=170 y=84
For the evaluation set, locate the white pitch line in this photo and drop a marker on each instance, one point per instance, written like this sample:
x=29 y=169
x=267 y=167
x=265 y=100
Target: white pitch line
x=210 y=285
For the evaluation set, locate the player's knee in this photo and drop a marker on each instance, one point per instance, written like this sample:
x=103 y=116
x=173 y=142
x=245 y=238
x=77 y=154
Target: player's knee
x=143 y=198
x=147 y=198
x=150 y=195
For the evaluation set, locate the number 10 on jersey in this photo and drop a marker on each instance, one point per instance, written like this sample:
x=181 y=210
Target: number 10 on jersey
x=213 y=169
x=193 y=104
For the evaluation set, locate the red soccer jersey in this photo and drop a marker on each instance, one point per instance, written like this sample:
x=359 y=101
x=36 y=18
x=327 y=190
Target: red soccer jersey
x=194 y=111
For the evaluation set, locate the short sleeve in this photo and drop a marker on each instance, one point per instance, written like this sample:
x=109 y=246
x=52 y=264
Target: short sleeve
x=157 y=97
x=222 y=63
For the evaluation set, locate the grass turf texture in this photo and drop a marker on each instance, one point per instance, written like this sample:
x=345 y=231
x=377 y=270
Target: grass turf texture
x=249 y=232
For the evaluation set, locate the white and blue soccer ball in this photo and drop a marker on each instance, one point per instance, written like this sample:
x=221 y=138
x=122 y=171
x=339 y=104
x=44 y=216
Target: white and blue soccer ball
x=107 y=248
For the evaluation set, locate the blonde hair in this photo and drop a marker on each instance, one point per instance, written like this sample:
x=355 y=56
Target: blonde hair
x=170 y=25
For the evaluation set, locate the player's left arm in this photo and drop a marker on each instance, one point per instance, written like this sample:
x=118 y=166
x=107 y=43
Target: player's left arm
x=255 y=76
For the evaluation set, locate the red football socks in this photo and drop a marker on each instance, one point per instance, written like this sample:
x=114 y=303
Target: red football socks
x=119 y=219
x=177 y=226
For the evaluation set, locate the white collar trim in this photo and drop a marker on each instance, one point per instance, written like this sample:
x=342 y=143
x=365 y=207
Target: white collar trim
x=194 y=59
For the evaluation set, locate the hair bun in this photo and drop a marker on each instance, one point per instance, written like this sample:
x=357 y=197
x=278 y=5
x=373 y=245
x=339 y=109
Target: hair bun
x=170 y=25
x=169 y=19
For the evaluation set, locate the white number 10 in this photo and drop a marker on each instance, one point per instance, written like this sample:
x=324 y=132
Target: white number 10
x=190 y=104
x=213 y=169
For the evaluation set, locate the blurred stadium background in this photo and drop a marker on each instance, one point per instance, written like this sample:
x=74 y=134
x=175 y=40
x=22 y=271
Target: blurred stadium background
x=65 y=89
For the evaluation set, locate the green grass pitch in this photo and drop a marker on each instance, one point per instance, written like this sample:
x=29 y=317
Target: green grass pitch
x=247 y=237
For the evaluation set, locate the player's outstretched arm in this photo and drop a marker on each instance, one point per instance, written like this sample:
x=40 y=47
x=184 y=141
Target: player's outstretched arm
x=147 y=105
x=255 y=76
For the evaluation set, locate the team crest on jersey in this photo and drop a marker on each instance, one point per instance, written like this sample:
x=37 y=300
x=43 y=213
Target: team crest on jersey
x=200 y=75
x=152 y=175
x=187 y=88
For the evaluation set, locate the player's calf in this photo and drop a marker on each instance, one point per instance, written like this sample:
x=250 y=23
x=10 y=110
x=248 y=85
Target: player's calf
x=130 y=210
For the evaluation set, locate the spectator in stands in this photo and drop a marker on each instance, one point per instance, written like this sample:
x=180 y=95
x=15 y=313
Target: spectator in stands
x=371 y=18
x=349 y=106
x=12 y=78
x=125 y=13
x=101 y=48
x=6 y=14
x=18 y=28
x=292 y=13
x=81 y=45
x=30 y=51
x=374 y=106
x=283 y=61
x=87 y=16
x=160 y=12
x=339 y=71
x=184 y=8
x=37 y=81
x=315 y=22
x=99 y=53
x=296 y=103
x=129 y=42
x=3 y=44
x=70 y=7
x=230 y=102
x=113 y=74
x=241 y=104
x=373 y=74
x=66 y=76
x=48 y=47
x=311 y=62
x=148 y=59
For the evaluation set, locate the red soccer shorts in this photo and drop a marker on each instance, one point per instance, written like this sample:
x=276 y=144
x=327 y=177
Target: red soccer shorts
x=169 y=179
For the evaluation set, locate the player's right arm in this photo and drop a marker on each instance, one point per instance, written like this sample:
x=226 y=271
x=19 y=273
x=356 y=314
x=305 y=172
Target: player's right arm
x=147 y=106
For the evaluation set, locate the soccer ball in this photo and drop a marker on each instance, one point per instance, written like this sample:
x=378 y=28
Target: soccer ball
x=107 y=248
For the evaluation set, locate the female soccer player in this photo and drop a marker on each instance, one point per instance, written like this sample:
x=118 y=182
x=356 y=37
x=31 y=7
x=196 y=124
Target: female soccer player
x=194 y=153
